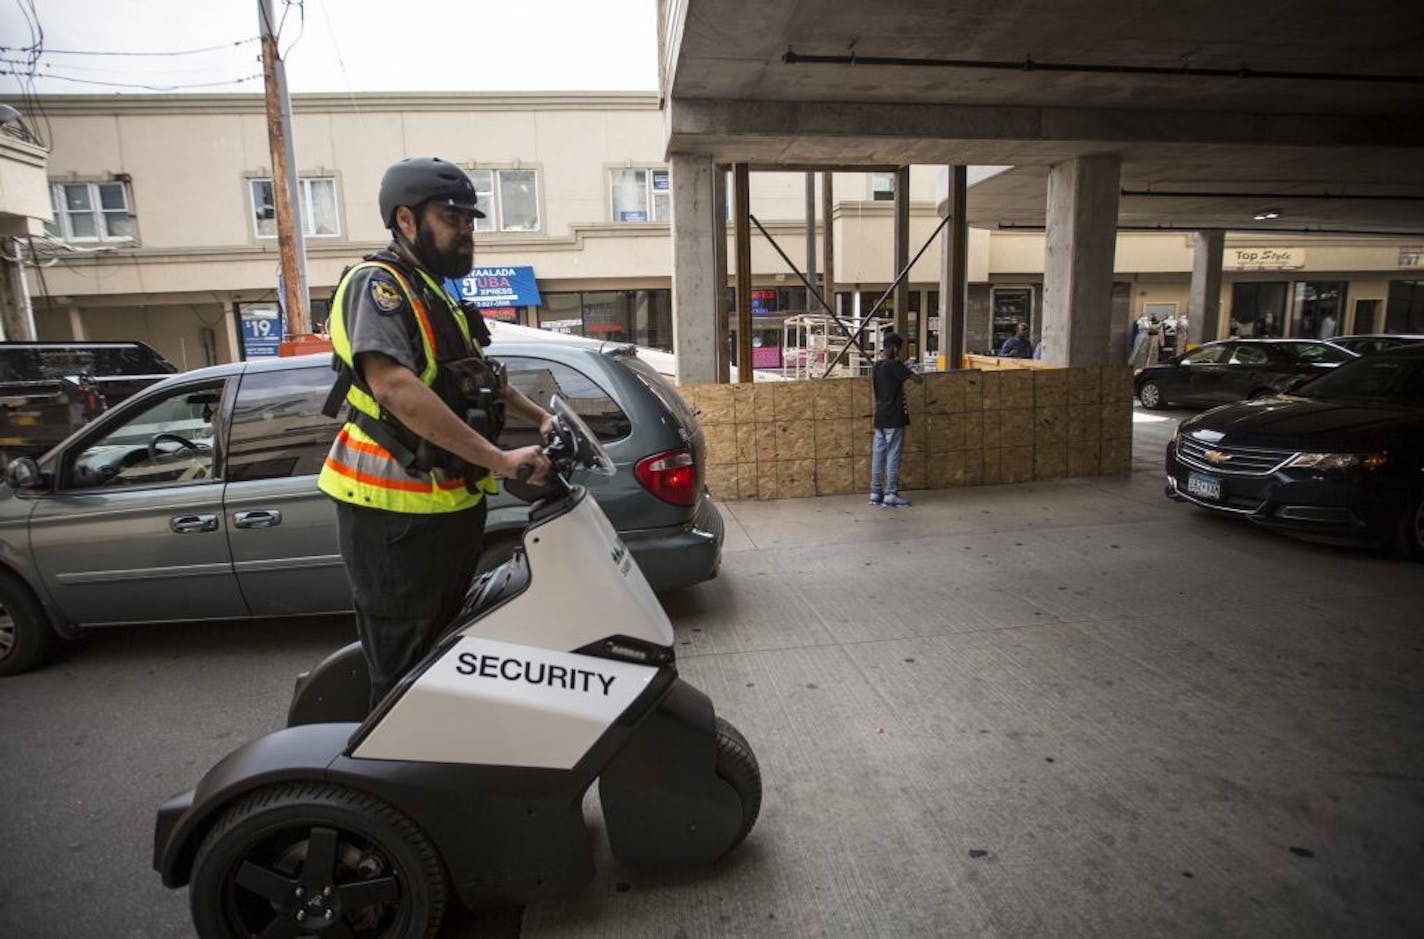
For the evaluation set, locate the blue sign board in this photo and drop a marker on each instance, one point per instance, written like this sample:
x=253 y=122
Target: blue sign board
x=261 y=330
x=500 y=286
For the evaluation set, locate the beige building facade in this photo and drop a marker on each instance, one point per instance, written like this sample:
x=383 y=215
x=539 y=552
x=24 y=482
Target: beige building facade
x=162 y=227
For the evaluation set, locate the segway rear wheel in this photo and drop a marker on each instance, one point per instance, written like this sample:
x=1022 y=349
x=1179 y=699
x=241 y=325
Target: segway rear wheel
x=737 y=765
x=300 y=860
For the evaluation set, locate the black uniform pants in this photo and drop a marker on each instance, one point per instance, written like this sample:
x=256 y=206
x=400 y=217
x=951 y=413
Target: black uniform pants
x=409 y=575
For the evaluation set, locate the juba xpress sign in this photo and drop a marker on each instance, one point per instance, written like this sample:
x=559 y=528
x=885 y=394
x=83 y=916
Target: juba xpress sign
x=500 y=287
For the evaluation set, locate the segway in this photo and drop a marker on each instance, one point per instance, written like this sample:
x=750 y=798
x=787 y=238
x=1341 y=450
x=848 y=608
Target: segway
x=469 y=777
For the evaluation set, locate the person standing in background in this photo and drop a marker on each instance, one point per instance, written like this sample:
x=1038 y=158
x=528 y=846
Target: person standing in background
x=892 y=416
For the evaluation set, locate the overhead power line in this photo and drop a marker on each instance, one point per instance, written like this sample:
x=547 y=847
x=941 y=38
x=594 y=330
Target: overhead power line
x=90 y=81
x=223 y=46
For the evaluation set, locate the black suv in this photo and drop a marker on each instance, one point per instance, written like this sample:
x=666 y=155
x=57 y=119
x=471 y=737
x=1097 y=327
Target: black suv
x=47 y=389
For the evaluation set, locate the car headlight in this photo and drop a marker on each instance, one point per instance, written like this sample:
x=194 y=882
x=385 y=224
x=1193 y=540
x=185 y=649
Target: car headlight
x=1340 y=461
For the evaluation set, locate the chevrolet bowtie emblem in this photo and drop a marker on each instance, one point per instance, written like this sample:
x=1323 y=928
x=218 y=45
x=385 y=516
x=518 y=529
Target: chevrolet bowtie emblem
x=1216 y=456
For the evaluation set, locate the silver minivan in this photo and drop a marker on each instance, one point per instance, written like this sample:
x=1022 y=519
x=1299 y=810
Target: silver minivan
x=196 y=499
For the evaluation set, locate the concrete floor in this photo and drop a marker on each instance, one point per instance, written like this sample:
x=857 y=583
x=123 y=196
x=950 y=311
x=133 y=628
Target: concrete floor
x=1061 y=709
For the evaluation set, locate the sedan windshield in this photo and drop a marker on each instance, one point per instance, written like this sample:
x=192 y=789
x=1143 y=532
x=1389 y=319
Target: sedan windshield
x=1372 y=378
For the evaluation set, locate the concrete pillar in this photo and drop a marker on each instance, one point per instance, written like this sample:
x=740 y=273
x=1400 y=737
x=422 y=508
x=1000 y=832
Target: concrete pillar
x=1078 y=266
x=694 y=295
x=1204 y=307
x=76 y=323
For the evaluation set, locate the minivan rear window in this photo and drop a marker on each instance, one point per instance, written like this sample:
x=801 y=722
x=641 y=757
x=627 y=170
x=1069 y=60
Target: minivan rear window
x=664 y=390
x=540 y=378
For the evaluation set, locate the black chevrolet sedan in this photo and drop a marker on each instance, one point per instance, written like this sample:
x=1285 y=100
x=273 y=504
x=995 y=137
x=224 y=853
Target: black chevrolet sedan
x=1220 y=372
x=1341 y=457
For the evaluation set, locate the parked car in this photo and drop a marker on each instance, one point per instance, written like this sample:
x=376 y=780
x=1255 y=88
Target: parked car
x=47 y=389
x=1376 y=342
x=1342 y=457
x=196 y=499
x=1220 y=372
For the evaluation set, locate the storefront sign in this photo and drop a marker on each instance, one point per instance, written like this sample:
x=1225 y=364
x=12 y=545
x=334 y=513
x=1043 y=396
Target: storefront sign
x=1264 y=259
x=763 y=302
x=261 y=330
x=1411 y=257
x=500 y=287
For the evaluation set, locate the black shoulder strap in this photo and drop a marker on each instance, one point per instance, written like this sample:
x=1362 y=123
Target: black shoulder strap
x=345 y=375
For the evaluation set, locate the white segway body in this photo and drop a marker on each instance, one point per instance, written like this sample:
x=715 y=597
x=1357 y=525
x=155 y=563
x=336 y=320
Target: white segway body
x=559 y=671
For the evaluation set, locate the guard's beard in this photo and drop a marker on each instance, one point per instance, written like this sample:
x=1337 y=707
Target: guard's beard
x=455 y=262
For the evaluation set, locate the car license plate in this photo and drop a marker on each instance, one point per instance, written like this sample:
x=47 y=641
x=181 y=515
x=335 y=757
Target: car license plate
x=1207 y=487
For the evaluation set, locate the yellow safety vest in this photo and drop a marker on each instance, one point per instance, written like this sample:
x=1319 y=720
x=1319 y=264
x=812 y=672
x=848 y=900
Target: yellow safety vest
x=359 y=470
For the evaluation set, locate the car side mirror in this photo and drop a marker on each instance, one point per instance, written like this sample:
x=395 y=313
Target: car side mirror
x=23 y=473
x=1297 y=383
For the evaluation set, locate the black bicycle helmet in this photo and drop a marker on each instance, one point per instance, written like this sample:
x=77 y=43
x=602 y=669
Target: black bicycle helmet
x=417 y=180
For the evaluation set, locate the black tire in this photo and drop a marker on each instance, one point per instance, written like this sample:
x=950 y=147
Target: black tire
x=1411 y=526
x=26 y=637
x=382 y=878
x=1151 y=396
x=737 y=764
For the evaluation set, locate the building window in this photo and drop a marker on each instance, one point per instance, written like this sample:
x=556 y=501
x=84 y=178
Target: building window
x=882 y=187
x=640 y=195
x=318 y=207
x=509 y=199
x=643 y=317
x=90 y=212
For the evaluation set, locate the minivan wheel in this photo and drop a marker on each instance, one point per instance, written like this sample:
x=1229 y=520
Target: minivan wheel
x=26 y=637
x=1150 y=394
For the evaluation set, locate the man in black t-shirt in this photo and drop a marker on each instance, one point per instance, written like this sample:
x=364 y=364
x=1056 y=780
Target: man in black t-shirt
x=892 y=416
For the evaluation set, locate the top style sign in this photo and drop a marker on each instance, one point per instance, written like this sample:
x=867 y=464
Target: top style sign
x=1264 y=259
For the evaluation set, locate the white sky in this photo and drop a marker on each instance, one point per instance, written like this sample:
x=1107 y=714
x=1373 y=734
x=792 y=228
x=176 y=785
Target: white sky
x=345 y=45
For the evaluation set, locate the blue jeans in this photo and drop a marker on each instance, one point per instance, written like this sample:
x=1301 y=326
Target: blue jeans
x=885 y=449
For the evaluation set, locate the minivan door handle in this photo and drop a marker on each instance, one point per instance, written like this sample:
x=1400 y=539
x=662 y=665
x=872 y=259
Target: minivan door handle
x=188 y=524
x=260 y=518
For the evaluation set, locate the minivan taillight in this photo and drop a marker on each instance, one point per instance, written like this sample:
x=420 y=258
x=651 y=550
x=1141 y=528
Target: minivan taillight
x=670 y=475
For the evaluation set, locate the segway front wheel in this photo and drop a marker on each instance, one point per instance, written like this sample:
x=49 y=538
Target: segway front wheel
x=299 y=860
x=737 y=765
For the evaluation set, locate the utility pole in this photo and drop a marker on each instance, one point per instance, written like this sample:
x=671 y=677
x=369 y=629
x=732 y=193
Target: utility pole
x=290 y=243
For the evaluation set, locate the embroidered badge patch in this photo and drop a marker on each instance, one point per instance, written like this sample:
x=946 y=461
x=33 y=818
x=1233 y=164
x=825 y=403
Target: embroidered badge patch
x=385 y=295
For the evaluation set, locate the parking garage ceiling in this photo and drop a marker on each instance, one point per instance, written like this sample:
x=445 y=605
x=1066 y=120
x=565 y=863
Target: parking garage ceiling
x=1220 y=111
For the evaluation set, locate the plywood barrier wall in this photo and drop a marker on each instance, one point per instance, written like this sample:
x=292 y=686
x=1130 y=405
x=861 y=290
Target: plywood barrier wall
x=781 y=440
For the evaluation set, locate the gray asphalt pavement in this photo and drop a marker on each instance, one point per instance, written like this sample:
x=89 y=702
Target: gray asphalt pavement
x=1068 y=708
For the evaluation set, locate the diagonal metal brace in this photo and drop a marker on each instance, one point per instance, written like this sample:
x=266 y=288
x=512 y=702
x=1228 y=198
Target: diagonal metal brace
x=878 y=303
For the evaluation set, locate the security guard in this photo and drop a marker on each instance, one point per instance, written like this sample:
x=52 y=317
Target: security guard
x=411 y=467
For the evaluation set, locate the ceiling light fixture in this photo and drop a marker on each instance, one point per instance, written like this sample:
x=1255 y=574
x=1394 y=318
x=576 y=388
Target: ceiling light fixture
x=1266 y=215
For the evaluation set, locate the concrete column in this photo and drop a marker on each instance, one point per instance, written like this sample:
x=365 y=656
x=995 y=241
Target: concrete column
x=1078 y=266
x=76 y=323
x=1204 y=308
x=694 y=295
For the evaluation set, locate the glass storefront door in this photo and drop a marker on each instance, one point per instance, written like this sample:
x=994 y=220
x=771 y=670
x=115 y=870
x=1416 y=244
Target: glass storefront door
x=1318 y=309
x=1258 y=310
